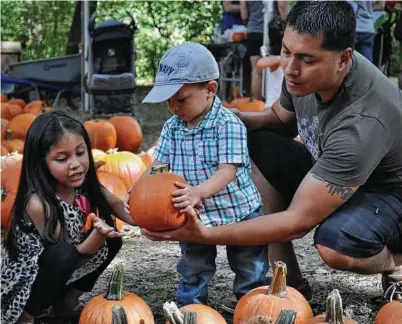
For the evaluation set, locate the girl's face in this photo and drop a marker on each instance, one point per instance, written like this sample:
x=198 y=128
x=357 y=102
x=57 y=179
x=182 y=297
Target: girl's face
x=68 y=161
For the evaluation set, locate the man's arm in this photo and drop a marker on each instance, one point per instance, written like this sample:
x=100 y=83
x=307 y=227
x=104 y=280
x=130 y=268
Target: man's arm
x=283 y=9
x=229 y=6
x=314 y=200
x=276 y=119
x=244 y=11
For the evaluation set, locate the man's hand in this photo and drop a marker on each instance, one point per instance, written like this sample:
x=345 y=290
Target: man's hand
x=193 y=230
x=186 y=196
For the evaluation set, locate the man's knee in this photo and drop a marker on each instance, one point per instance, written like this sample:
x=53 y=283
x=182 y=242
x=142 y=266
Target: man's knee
x=334 y=259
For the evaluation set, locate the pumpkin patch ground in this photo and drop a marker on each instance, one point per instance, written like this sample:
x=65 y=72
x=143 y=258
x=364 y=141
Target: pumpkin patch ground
x=150 y=267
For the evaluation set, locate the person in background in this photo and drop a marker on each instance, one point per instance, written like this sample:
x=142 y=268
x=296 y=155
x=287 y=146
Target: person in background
x=231 y=15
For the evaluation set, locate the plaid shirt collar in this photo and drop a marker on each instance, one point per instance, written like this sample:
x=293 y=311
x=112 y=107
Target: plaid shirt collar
x=209 y=120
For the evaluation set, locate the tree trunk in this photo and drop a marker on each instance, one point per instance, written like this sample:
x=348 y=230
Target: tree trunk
x=74 y=37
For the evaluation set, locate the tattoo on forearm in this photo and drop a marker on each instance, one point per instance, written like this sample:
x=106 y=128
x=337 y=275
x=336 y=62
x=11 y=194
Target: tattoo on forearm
x=333 y=189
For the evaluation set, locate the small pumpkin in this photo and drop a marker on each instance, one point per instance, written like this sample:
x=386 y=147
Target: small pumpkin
x=11 y=159
x=9 y=111
x=334 y=311
x=12 y=145
x=151 y=203
x=36 y=107
x=129 y=133
x=19 y=102
x=3 y=98
x=238 y=37
x=270 y=300
x=126 y=165
x=248 y=104
x=101 y=133
x=20 y=124
x=116 y=306
x=9 y=186
x=4 y=151
x=200 y=314
x=390 y=313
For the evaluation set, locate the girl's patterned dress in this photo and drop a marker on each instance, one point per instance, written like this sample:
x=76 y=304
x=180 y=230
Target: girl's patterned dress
x=18 y=276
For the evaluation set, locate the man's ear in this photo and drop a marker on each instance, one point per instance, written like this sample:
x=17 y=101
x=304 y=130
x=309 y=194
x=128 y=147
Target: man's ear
x=345 y=58
x=212 y=88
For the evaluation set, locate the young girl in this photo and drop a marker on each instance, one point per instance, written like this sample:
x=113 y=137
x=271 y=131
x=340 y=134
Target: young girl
x=49 y=261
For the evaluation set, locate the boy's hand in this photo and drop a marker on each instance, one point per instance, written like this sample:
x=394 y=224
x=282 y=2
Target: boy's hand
x=103 y=228
x=186 y=196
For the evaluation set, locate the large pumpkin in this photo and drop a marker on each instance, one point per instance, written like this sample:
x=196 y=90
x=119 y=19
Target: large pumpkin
x=9 y=111
x=202 y=314
x=147 y=157
x=129 y=133
x=390 y=313
x=334 y=311
x=3 y=98
x=9 y=185
x=151 y=203
x=4 y=151
x=248 y=104
x=101 y=133
x=4 y=123
x=126 y=165
x=268 y=301
x=20 y=124
x=113 y=184
x=12 y=145
x=117 y=306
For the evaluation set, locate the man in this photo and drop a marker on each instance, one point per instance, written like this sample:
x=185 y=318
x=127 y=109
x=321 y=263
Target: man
x=347 y=178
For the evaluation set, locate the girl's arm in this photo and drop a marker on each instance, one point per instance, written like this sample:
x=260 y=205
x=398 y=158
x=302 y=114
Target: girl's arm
x=117 y=206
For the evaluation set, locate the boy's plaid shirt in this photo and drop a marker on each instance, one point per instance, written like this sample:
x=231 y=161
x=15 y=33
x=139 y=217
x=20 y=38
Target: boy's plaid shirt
x=196 y=153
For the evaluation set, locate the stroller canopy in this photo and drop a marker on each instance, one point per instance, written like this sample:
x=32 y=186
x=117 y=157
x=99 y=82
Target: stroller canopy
x=112 y=29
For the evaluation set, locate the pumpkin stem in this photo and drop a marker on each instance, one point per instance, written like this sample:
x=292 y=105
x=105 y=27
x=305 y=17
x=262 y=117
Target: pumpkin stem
x=3 y=193
x=286 y=317
x=278 y=283
x=334 y=311
x=119 y=315
x=172 y=313
x=162 y=168
x=98 y=164
x=190 y=318
x=115 y=289
x=9 y=135
x=112 y=150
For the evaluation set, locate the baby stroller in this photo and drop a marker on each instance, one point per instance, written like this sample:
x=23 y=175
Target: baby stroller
x=111 y=67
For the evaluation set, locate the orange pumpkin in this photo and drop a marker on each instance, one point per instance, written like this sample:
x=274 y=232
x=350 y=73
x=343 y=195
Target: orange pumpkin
x=19 y=102
x=203 y=314
x=11 y=159
x=13 y=145
x=113 y=184
x=238 y=37
x=129 y=133
x=248 y=104
x=101 y=133
x=390 y=313
x=126 y=165
x=4 y=151
x=117 y=306
x=268 y=301
x=3 y=98
x=20 y=124
x=9 y=111
x=334 y=311
x=272 y=63
x=9 y=186
x=151 y=203
x=36 y=107
x=147 y=157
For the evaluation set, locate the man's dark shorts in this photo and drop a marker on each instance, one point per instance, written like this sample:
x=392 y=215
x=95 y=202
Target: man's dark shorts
x=360 y=228
x=253 y=43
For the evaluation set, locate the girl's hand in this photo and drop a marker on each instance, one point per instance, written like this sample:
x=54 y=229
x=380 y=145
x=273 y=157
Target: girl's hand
x=192 y=231
x=186 y=196
x=103 y=228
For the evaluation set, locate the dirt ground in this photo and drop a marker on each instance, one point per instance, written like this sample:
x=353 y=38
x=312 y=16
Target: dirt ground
x=150 y=267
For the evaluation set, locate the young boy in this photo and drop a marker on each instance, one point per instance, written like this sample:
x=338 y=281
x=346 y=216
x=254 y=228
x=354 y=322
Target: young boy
x=207 y=145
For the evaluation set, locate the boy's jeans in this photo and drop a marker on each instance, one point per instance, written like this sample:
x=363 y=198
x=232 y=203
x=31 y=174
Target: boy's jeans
x=197 y=267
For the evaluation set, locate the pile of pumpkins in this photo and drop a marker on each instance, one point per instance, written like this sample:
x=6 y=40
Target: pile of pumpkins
x=276 y=303
x=114 y=142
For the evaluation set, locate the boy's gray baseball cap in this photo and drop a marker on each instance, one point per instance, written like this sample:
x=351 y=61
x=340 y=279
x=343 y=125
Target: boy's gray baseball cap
x=186 y=63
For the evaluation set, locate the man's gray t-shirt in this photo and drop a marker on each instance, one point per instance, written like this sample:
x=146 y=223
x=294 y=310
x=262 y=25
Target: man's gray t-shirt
x=255 y=23
x=356 y=139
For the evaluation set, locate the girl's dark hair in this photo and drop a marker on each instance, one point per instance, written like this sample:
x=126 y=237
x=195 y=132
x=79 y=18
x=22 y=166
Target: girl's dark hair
x=46 y=130
x=335 y=21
